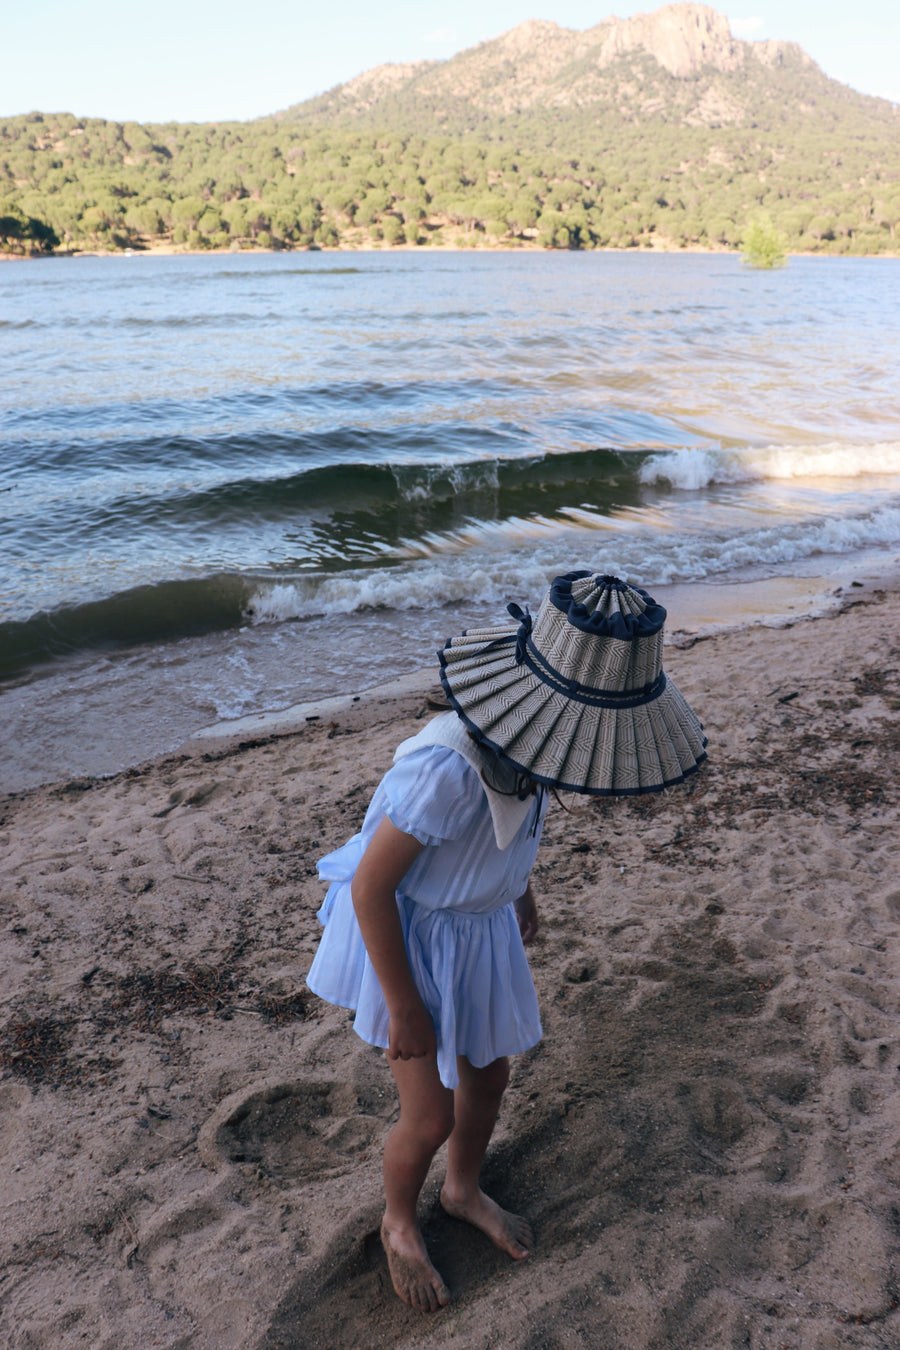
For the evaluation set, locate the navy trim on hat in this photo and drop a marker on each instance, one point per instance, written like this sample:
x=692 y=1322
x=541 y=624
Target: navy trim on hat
x=626 y=627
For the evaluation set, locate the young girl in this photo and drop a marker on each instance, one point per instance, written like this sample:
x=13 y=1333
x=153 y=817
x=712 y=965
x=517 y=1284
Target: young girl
x=430 y=905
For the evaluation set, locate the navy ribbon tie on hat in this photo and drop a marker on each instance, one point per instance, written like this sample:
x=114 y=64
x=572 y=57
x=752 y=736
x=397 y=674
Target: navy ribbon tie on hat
x=524 y=631
x=519 y=637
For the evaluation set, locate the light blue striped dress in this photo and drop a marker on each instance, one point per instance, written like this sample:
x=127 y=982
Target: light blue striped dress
x=456 y=909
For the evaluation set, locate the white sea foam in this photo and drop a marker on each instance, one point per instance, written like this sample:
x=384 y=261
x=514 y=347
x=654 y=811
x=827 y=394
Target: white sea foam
x=490 y=575
x=398 y=588
x=691 y=469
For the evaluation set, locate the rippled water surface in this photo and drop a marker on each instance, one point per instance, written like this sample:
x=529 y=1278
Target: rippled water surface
x=244 y=480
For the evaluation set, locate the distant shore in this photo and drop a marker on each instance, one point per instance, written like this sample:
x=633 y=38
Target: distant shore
x=169 y=250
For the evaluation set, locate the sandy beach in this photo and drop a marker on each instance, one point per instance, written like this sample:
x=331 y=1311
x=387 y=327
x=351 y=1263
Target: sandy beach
x=707 y=1140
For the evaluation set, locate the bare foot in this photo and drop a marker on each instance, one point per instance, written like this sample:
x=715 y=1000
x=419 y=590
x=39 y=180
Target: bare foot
x=510 y=1232
x=414 y=1278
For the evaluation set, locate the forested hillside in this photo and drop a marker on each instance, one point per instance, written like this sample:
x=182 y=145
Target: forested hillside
x=660 y=131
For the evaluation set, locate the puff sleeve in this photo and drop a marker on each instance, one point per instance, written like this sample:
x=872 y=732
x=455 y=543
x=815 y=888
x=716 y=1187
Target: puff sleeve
x=433 y=794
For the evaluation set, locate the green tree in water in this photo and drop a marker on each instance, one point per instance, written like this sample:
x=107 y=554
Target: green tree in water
x=763 y=245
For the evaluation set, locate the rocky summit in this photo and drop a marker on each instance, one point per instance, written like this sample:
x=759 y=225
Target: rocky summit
x=538 y=64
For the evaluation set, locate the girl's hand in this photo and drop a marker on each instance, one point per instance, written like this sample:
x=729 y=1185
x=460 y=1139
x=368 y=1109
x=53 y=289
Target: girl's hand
x=527 y=915
x=411 y=1033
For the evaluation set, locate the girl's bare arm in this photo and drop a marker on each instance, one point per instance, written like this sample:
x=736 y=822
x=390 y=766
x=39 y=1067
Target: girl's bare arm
x=383 y=866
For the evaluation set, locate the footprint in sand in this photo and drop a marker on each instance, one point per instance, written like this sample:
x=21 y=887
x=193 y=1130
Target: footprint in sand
x=719 y=1111
x=293 y=1132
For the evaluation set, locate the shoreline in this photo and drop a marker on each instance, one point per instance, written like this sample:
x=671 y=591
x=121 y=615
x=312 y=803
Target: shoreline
x=705 y=1140
x=696 y=613
x=520 y=246
x=127 y=727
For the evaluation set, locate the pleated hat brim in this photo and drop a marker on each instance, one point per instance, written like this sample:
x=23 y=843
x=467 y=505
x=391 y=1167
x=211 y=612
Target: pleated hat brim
x=622 y=751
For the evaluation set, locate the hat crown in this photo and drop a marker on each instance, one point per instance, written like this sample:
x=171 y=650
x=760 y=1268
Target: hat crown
x=600 y=633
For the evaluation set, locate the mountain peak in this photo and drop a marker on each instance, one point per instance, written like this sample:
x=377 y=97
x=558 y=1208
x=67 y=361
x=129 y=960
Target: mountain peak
x=539 y=64
x=681 y=37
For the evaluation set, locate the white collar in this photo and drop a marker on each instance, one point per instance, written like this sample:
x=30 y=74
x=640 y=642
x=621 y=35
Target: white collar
x=508 y=811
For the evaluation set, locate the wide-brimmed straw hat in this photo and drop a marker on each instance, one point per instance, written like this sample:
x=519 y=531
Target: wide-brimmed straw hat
x=577 y=698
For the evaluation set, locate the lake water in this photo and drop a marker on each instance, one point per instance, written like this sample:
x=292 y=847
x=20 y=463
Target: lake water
x=233 y=483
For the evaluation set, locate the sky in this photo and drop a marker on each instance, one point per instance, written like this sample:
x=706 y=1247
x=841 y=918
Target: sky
x=183 y=60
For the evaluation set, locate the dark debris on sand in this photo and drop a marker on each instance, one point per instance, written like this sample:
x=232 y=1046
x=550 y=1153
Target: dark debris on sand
x=36 y=1049
x=69 y=1049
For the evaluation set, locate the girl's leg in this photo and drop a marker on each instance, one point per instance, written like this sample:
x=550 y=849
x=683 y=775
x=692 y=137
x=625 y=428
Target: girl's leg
x=426 y=1119
x=476 y=1107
